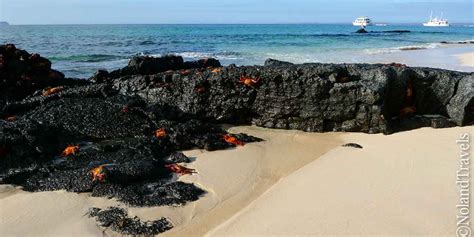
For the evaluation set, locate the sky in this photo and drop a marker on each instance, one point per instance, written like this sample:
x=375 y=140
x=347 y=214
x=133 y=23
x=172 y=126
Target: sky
x=229 y=11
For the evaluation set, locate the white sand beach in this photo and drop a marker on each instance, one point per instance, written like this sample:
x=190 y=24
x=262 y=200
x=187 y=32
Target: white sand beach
x=293 y=183
x=452 y=57
x=466 y=59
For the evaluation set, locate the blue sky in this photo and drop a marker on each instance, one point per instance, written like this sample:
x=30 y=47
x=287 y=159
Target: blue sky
x=228 y=11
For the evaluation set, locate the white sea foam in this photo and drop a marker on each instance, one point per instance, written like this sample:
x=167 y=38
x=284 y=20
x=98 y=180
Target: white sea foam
x=402 y=48
x=198 y=55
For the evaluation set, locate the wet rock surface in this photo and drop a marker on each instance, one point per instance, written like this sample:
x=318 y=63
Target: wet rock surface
x=118 y=134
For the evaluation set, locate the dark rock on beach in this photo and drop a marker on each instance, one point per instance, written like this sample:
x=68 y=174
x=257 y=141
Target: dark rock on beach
x=118 y=220
x=22 y=73
x=118 y=134
x=353 y=145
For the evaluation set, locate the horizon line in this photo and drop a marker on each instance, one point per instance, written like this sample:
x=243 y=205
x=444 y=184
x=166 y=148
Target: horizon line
x=256 y=23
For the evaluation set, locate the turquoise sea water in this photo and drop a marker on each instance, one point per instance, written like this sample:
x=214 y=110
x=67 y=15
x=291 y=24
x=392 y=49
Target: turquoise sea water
x=79 y=50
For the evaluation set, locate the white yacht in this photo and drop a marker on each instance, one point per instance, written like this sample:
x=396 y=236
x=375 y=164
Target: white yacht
x=437 y=22
x=362 y=21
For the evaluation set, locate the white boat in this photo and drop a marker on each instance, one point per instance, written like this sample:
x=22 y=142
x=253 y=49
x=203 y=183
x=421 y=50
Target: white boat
x=362 y=21
x=381 y=24
x=437 y=22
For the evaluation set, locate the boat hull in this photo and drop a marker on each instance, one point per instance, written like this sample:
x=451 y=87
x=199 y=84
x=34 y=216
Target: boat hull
x=435 y=25
x=361 y=24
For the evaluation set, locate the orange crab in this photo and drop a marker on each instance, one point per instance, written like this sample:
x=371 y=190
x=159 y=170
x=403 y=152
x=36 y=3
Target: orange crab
x=70 y=150
x=200 y=89
x=216 y=70
x=53 y=90
x=179 y=169
x=232 y=140
x=185 y=72
x=160 y=133
x=98 y=173
x=249 y=81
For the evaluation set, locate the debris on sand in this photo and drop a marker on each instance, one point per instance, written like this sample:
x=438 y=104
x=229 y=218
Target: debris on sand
x=118 y=220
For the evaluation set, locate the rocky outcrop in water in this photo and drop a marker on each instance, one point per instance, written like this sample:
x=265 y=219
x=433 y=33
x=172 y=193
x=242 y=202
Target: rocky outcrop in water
x=117 y=135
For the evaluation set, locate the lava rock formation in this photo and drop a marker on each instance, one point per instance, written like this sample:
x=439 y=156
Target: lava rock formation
x=117 y=134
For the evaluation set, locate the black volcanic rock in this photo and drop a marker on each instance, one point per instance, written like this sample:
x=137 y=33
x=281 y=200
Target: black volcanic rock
x=461 y=106
x=276 y=63
x=22 y=73
x=310 y=97
x=361 y=31
x=125 y=127
x=118 y=220
x=146 y=65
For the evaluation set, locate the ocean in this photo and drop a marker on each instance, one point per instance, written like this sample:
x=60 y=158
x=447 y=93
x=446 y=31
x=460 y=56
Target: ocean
x=79 y=50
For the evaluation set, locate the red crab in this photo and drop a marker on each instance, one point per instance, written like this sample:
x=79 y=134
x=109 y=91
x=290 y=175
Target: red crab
x=249 y=81
x=160 y=133
x=98 y=173
x=179 y=169
x=10 y=119
x=185 y=72
x=53 y=90
x=70 y=150
x=200 y=89
x=216 y=70
x=232 y=140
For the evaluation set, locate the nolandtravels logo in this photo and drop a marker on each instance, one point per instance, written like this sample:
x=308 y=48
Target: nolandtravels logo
x=463 y=181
